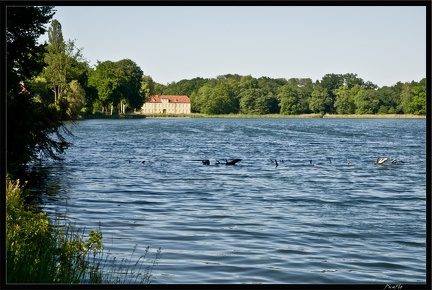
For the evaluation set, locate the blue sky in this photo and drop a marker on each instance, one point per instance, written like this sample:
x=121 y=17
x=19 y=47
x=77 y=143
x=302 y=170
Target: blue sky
x=380 y=44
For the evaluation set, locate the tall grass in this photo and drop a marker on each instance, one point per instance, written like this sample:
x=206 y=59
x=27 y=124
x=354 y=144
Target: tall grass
x=40 y=252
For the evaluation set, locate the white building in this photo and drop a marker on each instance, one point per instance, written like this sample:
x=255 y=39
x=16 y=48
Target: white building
x=164 y=104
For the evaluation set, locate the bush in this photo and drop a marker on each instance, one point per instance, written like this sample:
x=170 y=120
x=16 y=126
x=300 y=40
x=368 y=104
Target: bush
x=38 y=252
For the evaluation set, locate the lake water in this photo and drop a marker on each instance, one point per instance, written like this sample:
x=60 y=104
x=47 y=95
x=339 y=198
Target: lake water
x=325 y=214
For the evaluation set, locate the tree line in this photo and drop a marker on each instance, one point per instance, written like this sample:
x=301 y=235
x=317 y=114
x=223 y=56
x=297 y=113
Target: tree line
x=333 y=94
x=50 y=83
x=122 y=87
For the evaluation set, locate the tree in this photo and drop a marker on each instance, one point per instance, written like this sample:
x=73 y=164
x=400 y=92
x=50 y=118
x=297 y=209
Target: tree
x=319 y=100
x=289 y=100
x=60 y=58
x=104 y=78
x=418 y=103
x=75 y=97
x=330 y=82
x=344 y=102
x=118 y=84
x=255 y=101
x=130 y=75
x=147 y=87
x=388 y=99
x=366 y=101
x=216 y=98
x=34 y=129
x=406 y=97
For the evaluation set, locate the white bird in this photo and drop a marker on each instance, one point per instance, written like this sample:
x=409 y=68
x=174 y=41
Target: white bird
x=381 y=161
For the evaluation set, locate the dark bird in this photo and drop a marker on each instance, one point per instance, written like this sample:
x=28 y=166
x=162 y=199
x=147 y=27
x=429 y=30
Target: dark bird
x=232 y=162
x=329 y=159
x=143 y=162
x=204 y=161
x=381 y=161
x=396 y=161
x=275 y=162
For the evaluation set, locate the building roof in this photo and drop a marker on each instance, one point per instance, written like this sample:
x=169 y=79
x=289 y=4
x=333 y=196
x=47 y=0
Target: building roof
x=171 y=99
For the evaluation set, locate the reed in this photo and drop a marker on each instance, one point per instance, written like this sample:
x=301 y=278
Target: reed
x=40 y=252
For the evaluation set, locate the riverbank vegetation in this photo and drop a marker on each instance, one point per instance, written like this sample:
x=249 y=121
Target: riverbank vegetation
x=38 y=251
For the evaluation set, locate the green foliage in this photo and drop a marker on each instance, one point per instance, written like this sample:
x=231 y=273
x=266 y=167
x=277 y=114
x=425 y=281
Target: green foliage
x=343 y=103
x=366 y=101
x=147 y=87
x=184 y=87
x=75 y=97
x=35 y=128
x=289 y=100
x=62 y=61
x=118 y=83
x=319 y=101
x=38 y=252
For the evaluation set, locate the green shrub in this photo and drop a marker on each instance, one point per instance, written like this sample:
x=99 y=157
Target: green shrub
x=39 y=252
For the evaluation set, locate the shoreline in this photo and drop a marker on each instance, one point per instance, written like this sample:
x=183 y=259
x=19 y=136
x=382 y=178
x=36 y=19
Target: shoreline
x=246 y=116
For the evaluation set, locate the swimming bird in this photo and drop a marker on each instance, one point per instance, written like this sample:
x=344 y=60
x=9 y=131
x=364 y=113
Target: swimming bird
x=329 y=159
x=204 y=161
x=274 y=162
x=232 y=162
x=143 y=162
x=394 y=160
x=381 y=161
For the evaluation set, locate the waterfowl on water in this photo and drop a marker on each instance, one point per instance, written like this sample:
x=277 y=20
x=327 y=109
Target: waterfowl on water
x=204 y=161
x=381 y=161
x=232 y=162
x=394 y=160
x=275 y=162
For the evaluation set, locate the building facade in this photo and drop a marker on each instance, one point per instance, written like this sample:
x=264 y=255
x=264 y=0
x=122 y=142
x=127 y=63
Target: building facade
x=167 y=104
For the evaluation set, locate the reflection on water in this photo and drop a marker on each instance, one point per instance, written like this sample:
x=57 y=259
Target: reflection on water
x=325 y=214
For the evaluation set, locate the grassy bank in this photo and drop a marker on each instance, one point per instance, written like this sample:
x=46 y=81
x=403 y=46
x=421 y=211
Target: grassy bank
x=251 y=116
x=371 y=116
x=40 y=252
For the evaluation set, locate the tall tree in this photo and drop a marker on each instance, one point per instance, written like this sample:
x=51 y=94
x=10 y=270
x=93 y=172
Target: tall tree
x=105 y=80
x=330 y=82
x=129 y=90
x=366 y=101
x=319 y=100
x=147 y=87
x=289 y=99
x=60 y=60
x=33 y=129
x=344 y=103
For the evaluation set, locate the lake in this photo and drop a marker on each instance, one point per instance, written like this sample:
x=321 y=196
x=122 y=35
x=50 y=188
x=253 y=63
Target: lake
x=326 y=214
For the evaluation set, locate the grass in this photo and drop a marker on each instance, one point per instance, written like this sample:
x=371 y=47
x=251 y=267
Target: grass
x=279 y=116
x=40 y=252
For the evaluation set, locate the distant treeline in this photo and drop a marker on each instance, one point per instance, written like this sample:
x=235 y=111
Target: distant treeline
x=333 y=94
x=71 y=84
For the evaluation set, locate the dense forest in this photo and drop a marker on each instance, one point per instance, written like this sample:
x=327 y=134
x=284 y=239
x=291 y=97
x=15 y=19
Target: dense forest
x=51 y=83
